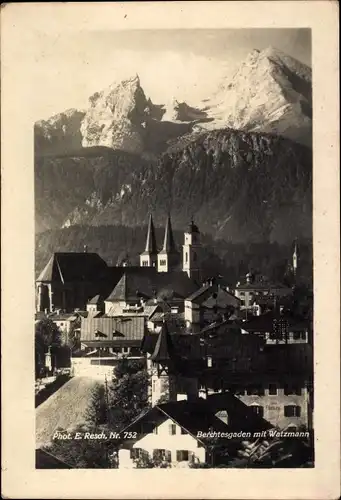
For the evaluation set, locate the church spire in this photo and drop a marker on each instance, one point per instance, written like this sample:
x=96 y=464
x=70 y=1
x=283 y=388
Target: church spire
x=168 y=242
x=151 y=240
x=295 y=258
x=168 y=258
x=148 y=258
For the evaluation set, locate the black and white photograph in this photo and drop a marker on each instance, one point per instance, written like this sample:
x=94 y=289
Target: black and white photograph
x=173 y=212
x=173 y=312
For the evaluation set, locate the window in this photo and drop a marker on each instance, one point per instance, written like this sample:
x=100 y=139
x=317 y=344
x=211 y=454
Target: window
x=186 y=256
x=299 y=336
x=136 y=453
x=183 y=431
x=145 y=263
x=273 y=389
x=292 y=389
x=292 y=411
x=163 y=455
x=258 y=410
x=182 y=455
x=172 y=429
x=256 y=390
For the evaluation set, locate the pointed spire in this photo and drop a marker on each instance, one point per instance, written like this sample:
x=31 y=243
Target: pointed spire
x=295 y=257
x=164 y=349
x=151 y=240
x=168 y=242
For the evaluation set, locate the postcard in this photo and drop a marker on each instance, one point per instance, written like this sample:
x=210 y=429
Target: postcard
x=170 y=250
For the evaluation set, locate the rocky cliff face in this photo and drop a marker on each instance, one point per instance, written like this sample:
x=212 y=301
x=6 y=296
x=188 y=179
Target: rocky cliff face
x=230 y=164
x=270 y=92
x=239 y=186
x=59 y=133
x=117 y=117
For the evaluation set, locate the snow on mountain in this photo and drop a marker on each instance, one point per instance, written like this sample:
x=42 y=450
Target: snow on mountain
x=270 y=92
x=118 y=116
x=59 y=131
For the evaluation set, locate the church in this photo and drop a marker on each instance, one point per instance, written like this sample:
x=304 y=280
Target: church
x=70 y=280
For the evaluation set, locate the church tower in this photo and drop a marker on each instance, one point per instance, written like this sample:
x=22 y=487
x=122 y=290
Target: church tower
x=148 y=258
x=192 y=252
x=295 y=259
x=168 y=381
x=168 y=258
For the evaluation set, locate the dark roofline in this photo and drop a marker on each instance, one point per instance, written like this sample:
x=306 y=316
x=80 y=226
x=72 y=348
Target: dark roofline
x=180 y=425
x=49 y=456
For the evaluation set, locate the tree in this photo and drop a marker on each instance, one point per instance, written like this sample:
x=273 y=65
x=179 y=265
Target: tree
x=84 y=453
x=128 y=393
x=47 y=335
x=73 y=340
x=97 y=411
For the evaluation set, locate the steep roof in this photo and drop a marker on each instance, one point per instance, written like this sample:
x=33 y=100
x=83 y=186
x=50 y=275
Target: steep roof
x=73 y=266
x=147 y=283
x=168 y=242
x=45 y=460
x=150 y=247
x=164 y=349
x=112 y=329
x=97 y=299
x=202 y=292
x=210 y=296
x=200 y=415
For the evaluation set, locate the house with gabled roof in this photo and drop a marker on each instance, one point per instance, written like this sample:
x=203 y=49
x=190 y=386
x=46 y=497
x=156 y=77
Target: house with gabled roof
x=104 y=340
x=177 y=434
x=207 y=304
x=255 y=287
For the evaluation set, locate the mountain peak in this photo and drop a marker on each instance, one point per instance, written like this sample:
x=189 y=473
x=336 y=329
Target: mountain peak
x=117 y=117
x=270 y=92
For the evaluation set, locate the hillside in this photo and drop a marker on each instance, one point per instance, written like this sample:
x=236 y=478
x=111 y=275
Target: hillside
x=65 y=409
x=239 y=186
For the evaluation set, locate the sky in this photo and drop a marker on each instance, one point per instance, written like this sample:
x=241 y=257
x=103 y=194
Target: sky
x=172 y=64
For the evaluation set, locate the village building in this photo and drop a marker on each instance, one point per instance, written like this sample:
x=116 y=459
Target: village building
x=257 y=287
x=209 y=303
x=104 y=340
x=279 y=326
x=221 y=359
x=179 y=434
x=83 y=281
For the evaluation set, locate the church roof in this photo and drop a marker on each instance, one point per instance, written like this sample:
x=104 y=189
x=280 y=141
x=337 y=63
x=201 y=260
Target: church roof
x=151 y=239
x=168 y=242
x=147 y=283
x=73 y=266
x=193 y=228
